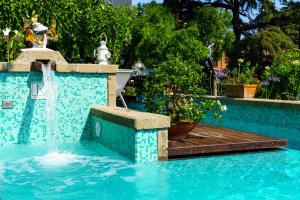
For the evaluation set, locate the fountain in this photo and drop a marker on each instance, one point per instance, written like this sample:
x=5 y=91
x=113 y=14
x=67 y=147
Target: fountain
x=54 y=157
x=50 y=91
x=36 y=37
x=36 y=111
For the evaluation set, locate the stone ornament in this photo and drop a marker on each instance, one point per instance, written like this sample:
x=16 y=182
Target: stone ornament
x=36 y=34
x=101 y=53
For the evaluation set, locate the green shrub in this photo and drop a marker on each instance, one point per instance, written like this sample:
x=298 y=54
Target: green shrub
x=171 y=90
x=79 y=24
x=282 y=79
x=244 y=74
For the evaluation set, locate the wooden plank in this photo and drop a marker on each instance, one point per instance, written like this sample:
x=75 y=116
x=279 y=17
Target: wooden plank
x=231 y=133
x=177 y=143
x=223 y=139
x=213 y=140
x=234 y=147
x=227 y=133
x=206 y=139
x=226 y=138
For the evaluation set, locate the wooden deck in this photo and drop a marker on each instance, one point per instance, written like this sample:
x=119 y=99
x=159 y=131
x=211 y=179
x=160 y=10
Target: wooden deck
x=206 y=139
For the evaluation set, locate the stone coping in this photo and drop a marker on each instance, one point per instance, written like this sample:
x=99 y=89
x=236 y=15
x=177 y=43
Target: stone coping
x=88 y=68
x=68 y=68
x=131 y=118
x=260 y=102
x=27 y=56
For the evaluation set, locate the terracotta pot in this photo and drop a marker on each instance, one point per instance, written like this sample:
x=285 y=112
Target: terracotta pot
x=180 y=130
x=240 y=91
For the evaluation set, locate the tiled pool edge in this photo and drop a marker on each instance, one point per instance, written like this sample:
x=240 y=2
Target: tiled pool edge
x=274 y=118
x=139 y=136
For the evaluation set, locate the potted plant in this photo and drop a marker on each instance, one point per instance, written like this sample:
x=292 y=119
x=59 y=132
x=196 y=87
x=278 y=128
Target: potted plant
x=241 y=84
x=171 y=90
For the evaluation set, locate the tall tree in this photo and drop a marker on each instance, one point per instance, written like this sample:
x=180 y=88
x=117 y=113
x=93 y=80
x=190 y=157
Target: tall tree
x=268 y=43
x=243 y=17
x=289 y=20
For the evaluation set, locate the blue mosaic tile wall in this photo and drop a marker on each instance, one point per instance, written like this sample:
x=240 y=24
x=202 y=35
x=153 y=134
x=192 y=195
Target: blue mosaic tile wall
x=25 y=122
x=270 y=119
x=146 y=146
x=139 y=146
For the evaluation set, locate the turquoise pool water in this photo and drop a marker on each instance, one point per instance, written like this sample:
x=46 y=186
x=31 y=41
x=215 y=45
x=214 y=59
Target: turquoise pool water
x=91 y=171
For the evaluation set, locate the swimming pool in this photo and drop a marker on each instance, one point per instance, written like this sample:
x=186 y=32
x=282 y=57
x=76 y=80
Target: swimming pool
x=88 y=170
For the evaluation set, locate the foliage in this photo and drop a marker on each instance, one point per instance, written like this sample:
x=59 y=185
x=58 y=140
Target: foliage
x=156 y=37
x=262 y=48
x=149 y=30
x=175 y=55
x=153 y=32
x=116 y=23
x=130 y=91
x=171 y=88
x=80 y=24
x=272 y=42
x=288 y=19
x=13 y=44
x=214 y=27
x=242 y=11
x=254 y=23
x=244 y=74
x=282 y=79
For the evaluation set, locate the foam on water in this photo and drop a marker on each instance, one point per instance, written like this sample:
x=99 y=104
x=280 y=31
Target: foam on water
x=56 y=159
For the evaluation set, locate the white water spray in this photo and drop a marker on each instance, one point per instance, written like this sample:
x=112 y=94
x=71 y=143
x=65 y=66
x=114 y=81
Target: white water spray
x=50 y=91
x=53 y=158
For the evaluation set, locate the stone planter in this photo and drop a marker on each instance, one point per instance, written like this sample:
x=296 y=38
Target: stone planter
x=240 y=91
x=180 y=130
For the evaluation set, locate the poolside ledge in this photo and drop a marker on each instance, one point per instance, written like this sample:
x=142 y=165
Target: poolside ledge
x=131 y=118
x=139 y=136
x=24 y=60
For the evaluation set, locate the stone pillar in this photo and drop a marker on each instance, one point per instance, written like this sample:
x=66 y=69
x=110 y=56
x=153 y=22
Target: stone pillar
x=111 y=90
x=215 y=88
x=162 y=144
